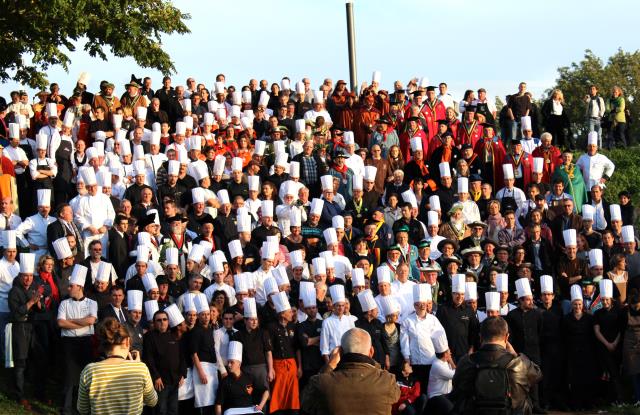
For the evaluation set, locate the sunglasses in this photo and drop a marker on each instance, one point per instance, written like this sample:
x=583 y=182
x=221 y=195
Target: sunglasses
x=160 y=320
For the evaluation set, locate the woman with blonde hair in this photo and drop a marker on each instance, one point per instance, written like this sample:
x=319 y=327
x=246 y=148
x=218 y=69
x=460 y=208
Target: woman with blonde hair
x=556 y=120
x=617 y=118
x=119 y=384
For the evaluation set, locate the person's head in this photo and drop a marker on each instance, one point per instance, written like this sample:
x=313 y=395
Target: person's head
x=114 y=337
x=117 y=295
x=356 y=341
x=494 y=330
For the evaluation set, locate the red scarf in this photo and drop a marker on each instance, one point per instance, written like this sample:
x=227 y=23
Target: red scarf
x=47 y=278
x=423 y=169
x=342 y=170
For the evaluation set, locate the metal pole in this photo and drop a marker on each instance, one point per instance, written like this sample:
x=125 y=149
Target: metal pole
x=351 y=36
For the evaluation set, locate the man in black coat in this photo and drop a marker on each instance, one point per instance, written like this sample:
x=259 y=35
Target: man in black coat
x=525 y=328
x=114 y=308
x=538 y=251
x=119 y=245
x=64 y=226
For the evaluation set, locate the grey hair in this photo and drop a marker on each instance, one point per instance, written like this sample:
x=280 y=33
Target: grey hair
x=546 y=135
x=356 y=340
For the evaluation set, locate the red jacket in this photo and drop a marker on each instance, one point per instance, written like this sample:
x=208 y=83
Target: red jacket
x=526 y=161
x=405 y=143
x=409 y=392
x=468 y=134
x=552 y=159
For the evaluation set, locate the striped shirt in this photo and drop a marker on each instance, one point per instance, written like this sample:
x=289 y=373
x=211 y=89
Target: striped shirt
x=115 y=388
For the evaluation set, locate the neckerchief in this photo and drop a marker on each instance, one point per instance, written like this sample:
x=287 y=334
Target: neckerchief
x=423 y=168
x=178 y=241
x=48 y=279
x=469 y=131
x=342 y=170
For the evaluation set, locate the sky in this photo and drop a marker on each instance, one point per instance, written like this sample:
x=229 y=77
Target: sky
x=468 y=44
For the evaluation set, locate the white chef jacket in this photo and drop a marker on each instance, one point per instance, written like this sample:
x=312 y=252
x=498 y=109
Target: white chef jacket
x=529 y=144
x=311 y=115
x=71 y=309
x=594 y=167
x=221 y=340
x=332 y=330
x=6 y=283
x=16 y=154
x=49 y=162
x=355 y=163
x=33 y=231
x=405 y=308
x=470 y=211
x=440 y=379
x=96 y=211
x=53 y=142
x=415 y=338
x=515 y=193
x=258 y=282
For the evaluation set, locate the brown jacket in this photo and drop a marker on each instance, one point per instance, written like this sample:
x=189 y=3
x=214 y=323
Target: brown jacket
x=357 y=386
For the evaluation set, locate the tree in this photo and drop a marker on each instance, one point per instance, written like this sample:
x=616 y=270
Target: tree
x=622 y=69
x=45 y=31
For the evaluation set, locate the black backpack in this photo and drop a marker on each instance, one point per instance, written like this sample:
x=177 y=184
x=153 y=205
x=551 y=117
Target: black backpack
x=492 y=393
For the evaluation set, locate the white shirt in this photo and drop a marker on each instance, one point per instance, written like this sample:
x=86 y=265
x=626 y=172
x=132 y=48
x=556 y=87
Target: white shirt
x=594 y=167
x=440 y=379
x=447 y=100
x=221 y=340
x=71 y=309
x=46 y=162
x=16 y=154
x=53 y=142
x=515 y=193
x=6 y=283
x=405 y=291
x=33 y=231
x=14 y=221
x=415 y=338
x=355 y=163
x=332 y=330
x=96 y=211
x=311 y=115
x=14 y=269
x=599 y=221
x=529 y=144
x=470 y=211
x=258 y=282
x=231 y=293
x=556 y=107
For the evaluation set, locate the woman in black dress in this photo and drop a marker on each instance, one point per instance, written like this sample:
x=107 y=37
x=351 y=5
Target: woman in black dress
x=608 y=331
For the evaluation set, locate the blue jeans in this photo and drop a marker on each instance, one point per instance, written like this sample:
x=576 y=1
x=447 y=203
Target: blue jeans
x=512 y=133
x=595 y=125
x=167 y=401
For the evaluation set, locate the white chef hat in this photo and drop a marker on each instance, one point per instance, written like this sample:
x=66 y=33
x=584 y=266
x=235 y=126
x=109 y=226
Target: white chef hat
x=384 y=274
x=576 y=292
x=570 y=238
x=150 y=308
x=295 y=217
x=149 y=282
x=254 y=183
x=187 y=119
x=14 y=130
x=546 y=284
x=173 y=168
x=234 y=352
x=319 y=266
x=416 y=144
x=525 y=123
x=104 y=178
x=348 y=138
x=592 y=138
x=294 y=169
x=318 y=97
x=249 y=306
x=236 y=164
x=62 y=248
x=492 y=300
x=103 y=273
x=235 y=249
x=258 y=147
x=308 y=293
x=336 y=292
x=463 y=185
x=458 y=283
x=328 y=259
x=507 y=171
x=445 y=170
x=141 y=113
x=266 y=208
x=28 y=262
x=616 y=214
x=281 y=302
x=357 y=277
x=588 y=212
x=376 y=77
x=125 y=147
x=171 y=256
x=51 y=109
x=41 y=141
x=144 y=238
x=134 y=300
x=410 y=197
x=423 y=82
x=243 y=223
x=330 y=236
x=221 y=112
x=337 y=222
x=538 y=164
x=296 y=259
x=357 y=183
x=606 y=288
x=432 y=218
x=523 y=287
x=140 y=167
x=208 y=118
x=367 y=302
x=198 y=195
x=502 y=283
x=9 y=239
x=389 y=305
x=174 y=314
x=285 y=84
x=628 y=234
x=439 y=341
x=44 y=197
x=301 y=126
x=142 y=254
x=327 y=182
x=422 y=293
x=316 y=206
x=78 y=274
x=201 y=303
x=471 y=291
x=299 y=87
x=181 y=128
x=187 y=303
x=240 y=284
x=269 y=250
x=223 y=197
x=196 y=253
x=370 y=173
x=595 y=258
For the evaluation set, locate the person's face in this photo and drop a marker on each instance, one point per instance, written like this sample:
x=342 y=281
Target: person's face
x=10 y=254
x=547 y=298
x=526 y=302
x=477 y=231
x=533 y=192
x=571 y=251
x=195 y=284
x=596 y=194
x=567 y=207
x=576 y=306
x=474 y=260
x=446 y=181
x=96 y=251
x=116 y=298
x=486 y=190
x=510 y=219
x=457 y=299
x=448 y=250
x=502 y=256
x=402 y=238
x=141 y=268
x=567 y=158
x=394 y=255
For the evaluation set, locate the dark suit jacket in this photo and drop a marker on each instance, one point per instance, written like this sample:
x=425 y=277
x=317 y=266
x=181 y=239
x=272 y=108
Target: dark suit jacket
x=118 y=252
x=108 y=311
x=545 y=253
x=55 y=230
x=557 y=227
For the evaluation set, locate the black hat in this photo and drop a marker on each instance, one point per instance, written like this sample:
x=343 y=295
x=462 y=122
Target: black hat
x=501 y=248
x=470 y=108
x=449 y=260
x=416 y=119
x=444 y=242
x=207 y=218
x=431 y=88
x=384 y=120
x=339 y=154
x=487 y=241
x=443 y=122
x=475 y=178
x=176 y=218
x=488 y=125
x=146 y=220
x=466 y=146
x=161 y=279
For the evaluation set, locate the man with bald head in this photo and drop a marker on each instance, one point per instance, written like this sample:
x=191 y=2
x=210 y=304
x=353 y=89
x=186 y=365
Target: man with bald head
x=351 y=382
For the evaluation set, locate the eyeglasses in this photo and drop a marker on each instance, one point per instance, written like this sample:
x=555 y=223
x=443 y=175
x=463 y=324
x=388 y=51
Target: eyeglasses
x=160 y=320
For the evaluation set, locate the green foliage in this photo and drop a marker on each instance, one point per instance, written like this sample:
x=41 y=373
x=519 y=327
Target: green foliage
x=627 y=174
x=45 y=30
x=622 y=69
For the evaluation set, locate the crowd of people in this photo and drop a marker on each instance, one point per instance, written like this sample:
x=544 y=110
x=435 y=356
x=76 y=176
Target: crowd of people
x=193 y=250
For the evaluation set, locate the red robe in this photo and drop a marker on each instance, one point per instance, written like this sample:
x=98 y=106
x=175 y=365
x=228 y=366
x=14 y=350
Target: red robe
x=552 y=159
x=433 y=113
x=498 y=151
x=468 y=134
x=454 y=127
x=364 y=124
x=405 y=142
x=526 y=162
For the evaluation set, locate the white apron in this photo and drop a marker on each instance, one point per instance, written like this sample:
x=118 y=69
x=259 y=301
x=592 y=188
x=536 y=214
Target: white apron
x=186 y=390
x=242 y=411
x=205 y=395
